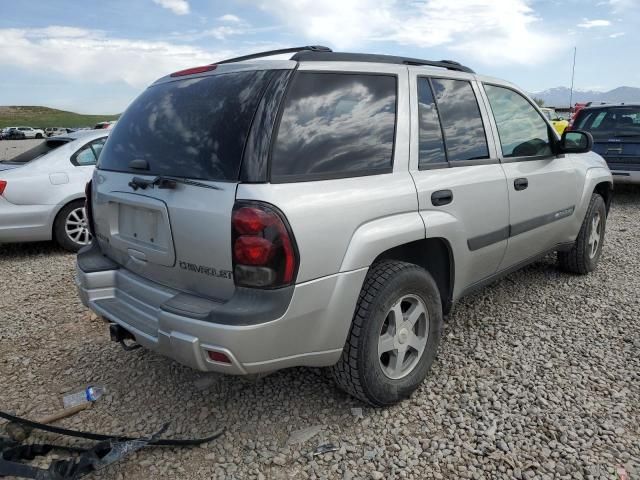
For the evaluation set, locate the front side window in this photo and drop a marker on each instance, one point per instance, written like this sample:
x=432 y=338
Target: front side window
x=431 y=149
x=522 y=130
x=335 y=125
x=464 y=133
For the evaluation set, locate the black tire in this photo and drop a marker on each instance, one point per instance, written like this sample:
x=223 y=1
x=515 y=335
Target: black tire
x=359 y=371
x=59 y=231
x=580 y=259
x=38 y=136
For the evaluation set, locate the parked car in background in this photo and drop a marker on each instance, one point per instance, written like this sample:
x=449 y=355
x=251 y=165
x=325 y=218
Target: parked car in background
x=616 y=136
x=30 y=132
x=52 y=131
x=104 y=125
x=42 y=190
x=328 y=210
x=558 y=123
x=12 y=133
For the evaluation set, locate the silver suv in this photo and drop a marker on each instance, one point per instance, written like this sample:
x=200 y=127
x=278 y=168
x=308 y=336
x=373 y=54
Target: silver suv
x=327 y=211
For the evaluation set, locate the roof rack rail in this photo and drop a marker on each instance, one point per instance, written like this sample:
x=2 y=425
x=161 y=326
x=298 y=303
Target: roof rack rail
x=330 y=56
x=268 y=53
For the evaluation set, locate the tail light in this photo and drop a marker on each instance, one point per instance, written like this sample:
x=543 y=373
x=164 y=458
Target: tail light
x=264 y=250
x=3 y=185
x=88 y=204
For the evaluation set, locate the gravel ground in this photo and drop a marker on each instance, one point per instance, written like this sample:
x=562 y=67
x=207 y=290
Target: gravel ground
x=11 y=148
x=538 y=376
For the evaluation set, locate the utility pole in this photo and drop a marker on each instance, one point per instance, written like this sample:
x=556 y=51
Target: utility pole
x=573 y=73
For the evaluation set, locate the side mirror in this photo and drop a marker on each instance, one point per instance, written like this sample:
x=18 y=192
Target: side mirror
x=576 y=141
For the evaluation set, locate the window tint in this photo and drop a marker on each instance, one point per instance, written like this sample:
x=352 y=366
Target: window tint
x=335 y=125
x=523 y=132
x=431 y=145
x=193 y=128
x=461 y=121
x=607 y=122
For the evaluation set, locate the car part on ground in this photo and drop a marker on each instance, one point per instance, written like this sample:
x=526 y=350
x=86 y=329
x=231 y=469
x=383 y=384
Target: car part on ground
x=334 y=166
x=81 y=461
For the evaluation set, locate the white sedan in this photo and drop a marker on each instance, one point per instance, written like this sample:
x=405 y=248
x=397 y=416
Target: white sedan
x=42 y=190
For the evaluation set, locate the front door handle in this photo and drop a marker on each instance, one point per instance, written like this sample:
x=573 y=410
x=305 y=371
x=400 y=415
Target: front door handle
x=520 y=183
x=441 y=197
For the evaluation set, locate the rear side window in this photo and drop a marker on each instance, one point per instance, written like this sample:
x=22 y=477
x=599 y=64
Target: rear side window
x=335 y=125
x=192 y=128
x=464 y=132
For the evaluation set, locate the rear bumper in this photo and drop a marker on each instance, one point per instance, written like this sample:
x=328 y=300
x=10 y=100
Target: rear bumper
x=310 y=329
x=626 y=176
x=25 y=223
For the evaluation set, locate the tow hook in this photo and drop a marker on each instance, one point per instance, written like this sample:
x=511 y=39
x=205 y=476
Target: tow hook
x=119 y=334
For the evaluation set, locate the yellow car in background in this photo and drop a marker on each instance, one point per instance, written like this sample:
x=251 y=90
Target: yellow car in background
x=558 y=123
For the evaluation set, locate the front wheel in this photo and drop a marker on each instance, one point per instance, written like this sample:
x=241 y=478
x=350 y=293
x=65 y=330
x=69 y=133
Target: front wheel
x=38 y=136
x=585 y=252
x=394 y=334
x=70 y=229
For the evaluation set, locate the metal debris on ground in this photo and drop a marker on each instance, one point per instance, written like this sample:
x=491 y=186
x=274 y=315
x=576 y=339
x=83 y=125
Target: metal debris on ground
x=80 y=461
x=325 y=448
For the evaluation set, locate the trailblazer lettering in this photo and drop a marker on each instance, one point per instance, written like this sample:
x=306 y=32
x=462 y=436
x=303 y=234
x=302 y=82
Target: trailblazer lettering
x=212 y=272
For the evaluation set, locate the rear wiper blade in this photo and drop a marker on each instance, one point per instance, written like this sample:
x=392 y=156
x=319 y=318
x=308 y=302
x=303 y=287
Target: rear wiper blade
x=165 y=182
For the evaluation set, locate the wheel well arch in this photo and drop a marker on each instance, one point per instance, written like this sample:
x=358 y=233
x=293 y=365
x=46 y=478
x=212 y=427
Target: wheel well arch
x=605 y=189
x=434 y=255
x=61 y=207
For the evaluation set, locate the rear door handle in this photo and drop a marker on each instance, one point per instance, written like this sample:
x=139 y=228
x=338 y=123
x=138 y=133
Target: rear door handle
x=520 y=183
x=441 y=197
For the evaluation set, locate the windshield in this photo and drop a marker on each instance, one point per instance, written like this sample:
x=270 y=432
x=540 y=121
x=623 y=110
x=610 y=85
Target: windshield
x=38 y=151
x=611 y=121
x=192 y=128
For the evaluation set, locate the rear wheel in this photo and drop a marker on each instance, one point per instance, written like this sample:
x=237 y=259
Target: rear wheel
x=394 y=334
x=70 y=229
x=585 y=253
x=38 y=135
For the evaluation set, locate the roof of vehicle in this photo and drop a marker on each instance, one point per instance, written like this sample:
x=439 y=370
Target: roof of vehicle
x=82 y=134
x=611 y=105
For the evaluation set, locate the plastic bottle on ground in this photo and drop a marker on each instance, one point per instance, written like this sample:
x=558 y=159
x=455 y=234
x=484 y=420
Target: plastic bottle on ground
x=90 y=394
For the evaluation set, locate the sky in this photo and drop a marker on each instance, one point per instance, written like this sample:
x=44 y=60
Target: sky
x=95 y=56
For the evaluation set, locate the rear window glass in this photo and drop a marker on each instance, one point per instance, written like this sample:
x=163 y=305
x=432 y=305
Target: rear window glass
x=464 y=133
x=192 y=128
x=38 y=151
x=610 y=121
x=335 y=125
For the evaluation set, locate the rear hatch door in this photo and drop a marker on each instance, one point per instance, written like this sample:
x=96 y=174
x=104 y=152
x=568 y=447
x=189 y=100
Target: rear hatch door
x=166 y=180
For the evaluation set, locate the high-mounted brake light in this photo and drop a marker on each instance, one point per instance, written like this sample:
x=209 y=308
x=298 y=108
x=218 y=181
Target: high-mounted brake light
x=264 y=252
x=193 y=70
x=3 y=185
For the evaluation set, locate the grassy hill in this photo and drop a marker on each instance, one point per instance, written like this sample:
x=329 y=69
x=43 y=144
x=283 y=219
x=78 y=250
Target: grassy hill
x=47 y=117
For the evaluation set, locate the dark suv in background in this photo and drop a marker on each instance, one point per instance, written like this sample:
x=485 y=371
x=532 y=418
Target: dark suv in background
x=616 y=136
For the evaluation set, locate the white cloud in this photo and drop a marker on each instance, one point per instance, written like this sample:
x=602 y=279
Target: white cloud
x=179 y=7
x=229 y=18
x=594 y=23
x=91 y=54
x=620 y=6
x=616 y=35
x=493 y=31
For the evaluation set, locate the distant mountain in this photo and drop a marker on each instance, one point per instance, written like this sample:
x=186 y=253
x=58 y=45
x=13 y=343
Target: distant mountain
x=559 y=96
x=13 y=116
